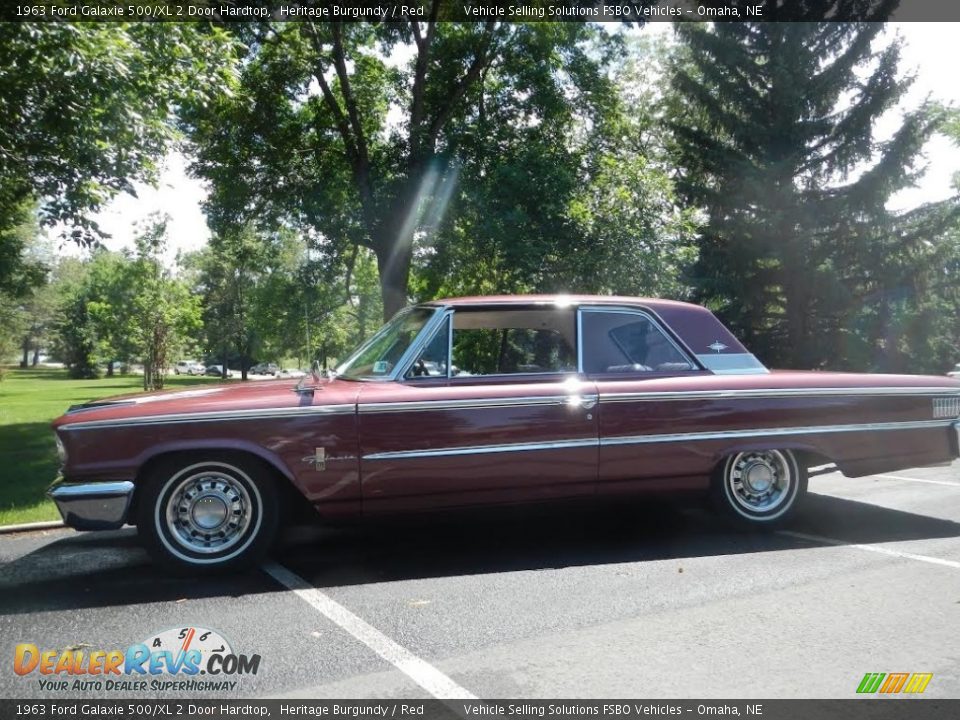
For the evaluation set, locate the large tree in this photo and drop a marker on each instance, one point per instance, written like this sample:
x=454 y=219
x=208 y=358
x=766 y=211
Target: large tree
x=127 y=306
x=352 y=130
x=775 y=127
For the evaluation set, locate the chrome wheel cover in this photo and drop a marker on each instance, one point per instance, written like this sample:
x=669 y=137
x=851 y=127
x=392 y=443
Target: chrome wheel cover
x=208 y=512
x=760 y=482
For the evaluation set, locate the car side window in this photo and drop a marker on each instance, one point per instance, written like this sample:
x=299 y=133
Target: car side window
x=514 y=341
x=433 y=359
x=628 y=342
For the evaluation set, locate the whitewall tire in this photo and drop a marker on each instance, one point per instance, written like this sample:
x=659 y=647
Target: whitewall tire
x=759 y=487
x=201 y=514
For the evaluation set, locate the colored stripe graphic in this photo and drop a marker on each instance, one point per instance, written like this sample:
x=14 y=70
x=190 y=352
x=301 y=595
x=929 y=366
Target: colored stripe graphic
x=918 y=682
x=894 y=682
x=871 y=682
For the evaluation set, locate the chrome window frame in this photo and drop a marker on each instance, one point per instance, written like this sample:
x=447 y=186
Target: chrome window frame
x=685 y=353
x=430 y=331
x=410 y=354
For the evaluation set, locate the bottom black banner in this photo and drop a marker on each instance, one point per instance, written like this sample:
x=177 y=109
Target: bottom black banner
x=859 y=709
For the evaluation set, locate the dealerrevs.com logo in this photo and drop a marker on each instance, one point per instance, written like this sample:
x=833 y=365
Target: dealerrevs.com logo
x=173 y=660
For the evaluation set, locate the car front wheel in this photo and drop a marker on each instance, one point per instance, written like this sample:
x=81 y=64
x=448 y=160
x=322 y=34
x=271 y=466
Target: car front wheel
x=208 y=514
x=759 y=487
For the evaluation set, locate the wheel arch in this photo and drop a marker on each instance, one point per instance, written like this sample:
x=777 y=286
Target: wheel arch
x=219 y=449
x=806 y=454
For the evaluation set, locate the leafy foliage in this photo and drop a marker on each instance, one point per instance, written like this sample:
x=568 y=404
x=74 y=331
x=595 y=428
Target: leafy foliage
x=85 y=108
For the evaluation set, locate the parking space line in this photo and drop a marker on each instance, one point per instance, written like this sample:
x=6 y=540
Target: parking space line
x=872 y=548
x=919 y=480
x=420 y=671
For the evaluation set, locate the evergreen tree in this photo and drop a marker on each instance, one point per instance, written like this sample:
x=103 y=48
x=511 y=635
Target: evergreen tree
x=774 y=126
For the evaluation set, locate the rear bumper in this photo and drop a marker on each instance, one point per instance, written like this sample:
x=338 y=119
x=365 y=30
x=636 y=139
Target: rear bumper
x=94 y=505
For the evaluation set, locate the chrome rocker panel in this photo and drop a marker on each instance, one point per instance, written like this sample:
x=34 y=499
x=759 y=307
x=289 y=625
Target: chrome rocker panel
x=93 y=506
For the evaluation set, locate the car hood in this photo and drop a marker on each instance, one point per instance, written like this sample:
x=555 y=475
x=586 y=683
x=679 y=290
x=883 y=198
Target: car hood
x=214 y=398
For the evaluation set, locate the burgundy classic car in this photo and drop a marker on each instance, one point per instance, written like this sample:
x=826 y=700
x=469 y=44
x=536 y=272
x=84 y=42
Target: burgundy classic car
x=484 y=401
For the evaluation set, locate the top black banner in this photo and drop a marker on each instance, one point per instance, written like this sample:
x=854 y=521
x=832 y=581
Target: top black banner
x=617 y=11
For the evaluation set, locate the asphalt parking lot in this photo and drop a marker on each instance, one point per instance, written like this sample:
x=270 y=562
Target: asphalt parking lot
x=647 y=600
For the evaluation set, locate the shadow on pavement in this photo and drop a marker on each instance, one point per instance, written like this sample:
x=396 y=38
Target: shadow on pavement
x=110 y=569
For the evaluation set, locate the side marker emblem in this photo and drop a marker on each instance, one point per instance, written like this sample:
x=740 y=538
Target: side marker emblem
x=318 y=459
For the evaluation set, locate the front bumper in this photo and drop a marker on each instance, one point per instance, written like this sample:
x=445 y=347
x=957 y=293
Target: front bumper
x=93 y=506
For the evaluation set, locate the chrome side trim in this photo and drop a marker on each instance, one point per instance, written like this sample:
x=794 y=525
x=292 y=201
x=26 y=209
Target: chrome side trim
x=476 y=403
x=482 y=449
x=658 y=438
x=218 y=416
x=93 y=506
x=769 y=432
x=773 y=393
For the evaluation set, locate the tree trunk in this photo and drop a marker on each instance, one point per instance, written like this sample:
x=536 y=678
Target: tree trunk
x=36 y=355
x=797 y=301
x=24 y=363
x=110 y=369
x=394 y=267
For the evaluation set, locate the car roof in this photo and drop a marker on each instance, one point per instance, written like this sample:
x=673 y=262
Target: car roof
x=560 y=300
x=695 y=325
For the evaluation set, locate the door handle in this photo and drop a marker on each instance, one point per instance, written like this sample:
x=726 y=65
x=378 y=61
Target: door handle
x=581 y=402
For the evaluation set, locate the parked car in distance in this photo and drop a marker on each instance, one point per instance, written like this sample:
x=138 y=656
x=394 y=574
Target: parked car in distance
x=265 y=369
x=217 y=371
x=188 y=367
x=955 y=373
x=479 y=401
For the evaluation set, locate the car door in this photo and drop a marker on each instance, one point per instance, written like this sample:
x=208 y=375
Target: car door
x=630 y=355
x=506 y=419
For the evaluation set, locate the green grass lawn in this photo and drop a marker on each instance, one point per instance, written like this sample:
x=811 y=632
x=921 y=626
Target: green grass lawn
x=29 y=401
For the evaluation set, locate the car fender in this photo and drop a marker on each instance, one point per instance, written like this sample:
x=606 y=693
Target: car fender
x=232 y=444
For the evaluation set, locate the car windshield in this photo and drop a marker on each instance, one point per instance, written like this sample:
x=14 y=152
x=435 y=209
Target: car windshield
x=377 y=358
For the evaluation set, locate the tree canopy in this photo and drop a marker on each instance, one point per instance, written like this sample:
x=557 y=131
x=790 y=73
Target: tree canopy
x=86 y=110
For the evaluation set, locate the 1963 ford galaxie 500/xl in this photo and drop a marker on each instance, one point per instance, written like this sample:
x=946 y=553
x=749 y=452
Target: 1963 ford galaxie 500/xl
x=491 y=400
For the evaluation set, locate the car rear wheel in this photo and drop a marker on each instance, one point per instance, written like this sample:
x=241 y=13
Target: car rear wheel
x=759 y=487
x=208 y=514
